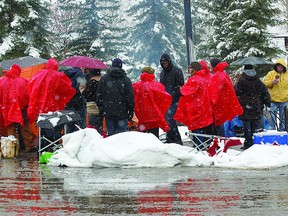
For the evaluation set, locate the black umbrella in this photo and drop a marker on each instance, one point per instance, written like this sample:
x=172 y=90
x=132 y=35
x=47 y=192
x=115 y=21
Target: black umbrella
x=51 y=120
x=23 y=62
x=251 y=60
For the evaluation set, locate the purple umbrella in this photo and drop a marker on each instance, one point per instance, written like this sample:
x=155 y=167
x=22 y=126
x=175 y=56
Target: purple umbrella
x=84 y=62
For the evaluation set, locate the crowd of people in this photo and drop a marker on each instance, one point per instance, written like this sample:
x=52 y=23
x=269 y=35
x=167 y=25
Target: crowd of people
x=203 y=103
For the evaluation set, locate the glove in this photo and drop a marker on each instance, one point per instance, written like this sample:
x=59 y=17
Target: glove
x=130 y=115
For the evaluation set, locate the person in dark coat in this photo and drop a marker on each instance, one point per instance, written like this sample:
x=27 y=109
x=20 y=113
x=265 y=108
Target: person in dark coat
x=252 y=95
x=172 y=78
x=95 y=119
x=115 y=98
x=77 y=103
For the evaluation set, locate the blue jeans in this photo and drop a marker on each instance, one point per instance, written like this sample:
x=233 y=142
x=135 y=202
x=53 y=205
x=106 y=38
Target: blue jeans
x=173 y=135
x=116 y=126
x=277 y=112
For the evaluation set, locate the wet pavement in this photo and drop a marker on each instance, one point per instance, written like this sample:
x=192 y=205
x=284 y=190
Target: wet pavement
x=27 y=188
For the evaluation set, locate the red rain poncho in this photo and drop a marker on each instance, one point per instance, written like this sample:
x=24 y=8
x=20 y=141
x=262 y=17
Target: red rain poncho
x=49 y=91
x=13 y=96
x=194 y=108
x=151 y=103
x=225 y=104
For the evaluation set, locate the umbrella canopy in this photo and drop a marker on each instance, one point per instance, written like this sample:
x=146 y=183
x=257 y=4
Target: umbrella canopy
x=251 y=60
x=23 y=62
x=53 y=119
x=84 y=62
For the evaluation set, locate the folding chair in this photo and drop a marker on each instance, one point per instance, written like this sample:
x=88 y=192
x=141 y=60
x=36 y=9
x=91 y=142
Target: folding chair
x=51 y=126
x=210 y=143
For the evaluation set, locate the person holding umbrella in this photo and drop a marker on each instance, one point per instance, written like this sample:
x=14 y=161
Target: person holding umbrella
x=252 y=94
x=14 y=102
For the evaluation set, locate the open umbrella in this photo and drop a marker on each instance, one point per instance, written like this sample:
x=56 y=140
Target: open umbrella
x=84 y=62
x=251 y=60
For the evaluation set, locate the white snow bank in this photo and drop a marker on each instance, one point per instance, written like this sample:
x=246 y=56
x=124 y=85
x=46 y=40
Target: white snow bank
x=86 y=148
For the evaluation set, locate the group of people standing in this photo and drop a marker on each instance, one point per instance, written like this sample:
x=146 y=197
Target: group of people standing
x=203 y=103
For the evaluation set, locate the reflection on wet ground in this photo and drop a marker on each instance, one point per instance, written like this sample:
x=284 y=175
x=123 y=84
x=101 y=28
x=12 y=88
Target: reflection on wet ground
x=27 y=188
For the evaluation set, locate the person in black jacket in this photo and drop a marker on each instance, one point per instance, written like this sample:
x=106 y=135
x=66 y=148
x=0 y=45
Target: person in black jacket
x=115 y=98
x=95 y=119
x=77 y=103
x=252 y=95
x=172 y=78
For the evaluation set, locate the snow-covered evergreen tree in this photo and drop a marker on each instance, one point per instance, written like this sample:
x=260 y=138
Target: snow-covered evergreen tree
x=94 y=29
x=158 y=28
x=23 y=27
x=240 y=29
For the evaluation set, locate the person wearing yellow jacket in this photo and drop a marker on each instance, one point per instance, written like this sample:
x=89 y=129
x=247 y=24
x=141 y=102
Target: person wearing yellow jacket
x=277 y=84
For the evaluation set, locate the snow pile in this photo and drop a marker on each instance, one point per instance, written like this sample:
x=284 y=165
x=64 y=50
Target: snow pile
x=86 y=148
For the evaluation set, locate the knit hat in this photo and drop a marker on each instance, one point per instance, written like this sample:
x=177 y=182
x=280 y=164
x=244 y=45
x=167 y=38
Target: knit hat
x=148 y=70
x=117 y=62
x=214 y=62
x=95 y=72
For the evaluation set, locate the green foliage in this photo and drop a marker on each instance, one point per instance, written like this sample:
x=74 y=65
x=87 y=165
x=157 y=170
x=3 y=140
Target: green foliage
x=158 y=28
x=239 y=29
x=24 y=25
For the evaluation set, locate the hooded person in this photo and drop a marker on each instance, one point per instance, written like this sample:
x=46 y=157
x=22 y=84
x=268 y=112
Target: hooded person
x=277 y=83
x=172 y=78
x=151 y=103
x=252 y=95
x=14 y=100
x=49 y=90
x=194 y=109
x=225 y=104
x=77 y=102
x=115 y=98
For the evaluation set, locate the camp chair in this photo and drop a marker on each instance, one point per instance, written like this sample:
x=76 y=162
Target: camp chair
x=52 y=126
x=210 y=143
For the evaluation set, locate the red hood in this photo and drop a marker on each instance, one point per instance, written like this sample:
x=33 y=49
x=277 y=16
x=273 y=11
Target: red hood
x=14 y=71
x=52 y=64
x=220 y=67
x=147 y=77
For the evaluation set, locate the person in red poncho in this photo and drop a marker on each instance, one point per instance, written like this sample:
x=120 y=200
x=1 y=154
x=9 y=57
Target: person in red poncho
x=49 y=90
x=14 y=102
x=194 y=108
x=225 y=104
x=151 y=103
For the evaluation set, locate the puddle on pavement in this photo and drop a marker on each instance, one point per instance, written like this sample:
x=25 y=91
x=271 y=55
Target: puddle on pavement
x=27 y=188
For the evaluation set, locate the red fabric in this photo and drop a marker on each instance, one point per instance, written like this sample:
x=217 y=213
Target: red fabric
x=151 y=103
x=13 y=96
x=225 y=104
x=208 y=74
x=194 y=109
x=49 y=91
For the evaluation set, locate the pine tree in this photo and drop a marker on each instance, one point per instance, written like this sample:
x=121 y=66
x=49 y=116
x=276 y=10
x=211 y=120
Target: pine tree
x=158 y=28
x=94 y=26
x=240 y=29
x=23 y=27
